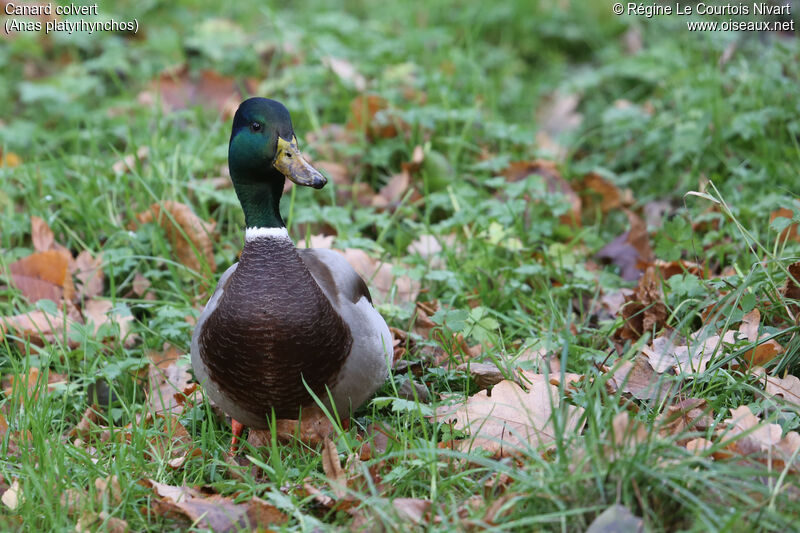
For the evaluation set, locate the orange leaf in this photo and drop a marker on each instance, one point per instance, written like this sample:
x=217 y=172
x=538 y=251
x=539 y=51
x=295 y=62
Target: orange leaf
x=189 y=235
x=43 y=275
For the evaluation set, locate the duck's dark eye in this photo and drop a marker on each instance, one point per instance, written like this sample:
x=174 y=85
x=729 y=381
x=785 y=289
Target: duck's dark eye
x=255 y=126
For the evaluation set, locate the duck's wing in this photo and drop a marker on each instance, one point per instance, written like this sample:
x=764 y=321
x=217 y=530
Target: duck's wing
x=367 y=364
x=197 y=365
x=334 y=275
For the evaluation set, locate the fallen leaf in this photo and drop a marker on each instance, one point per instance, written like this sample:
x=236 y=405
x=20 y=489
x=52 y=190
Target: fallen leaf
x=111 y=488
x=128 y=163
x=178 y=88
x=485 y=375
x=787 y=388
x=631 y=251
x=380 y=277
x=40 y=327
x=644 y=310
x=43 y=275
x=87 y=270
x=699 y=445
x=789 y=232
x=763 y=353
x=412 y=510
x=87 y=424
x=639 y=379
x=41 y=235
x=102 y=521
x=626 y=433
x=101 y=312
x=689 y=414
x=214 y=512
x=189 y=235
x=312 y=429
x=372 y=115
x=596 y=191
x=616 y=519
x=512 y=419
x=747 y=435
x=337 y=479
x=12 y=496
x=169 y=377
x=548 y=170
x=687 y=359
x=346 y=72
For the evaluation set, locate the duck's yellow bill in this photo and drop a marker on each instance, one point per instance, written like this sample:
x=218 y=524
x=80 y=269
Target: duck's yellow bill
x=293 y=165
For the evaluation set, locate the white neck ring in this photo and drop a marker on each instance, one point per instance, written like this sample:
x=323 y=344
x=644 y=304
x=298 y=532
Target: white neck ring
x=251 y=234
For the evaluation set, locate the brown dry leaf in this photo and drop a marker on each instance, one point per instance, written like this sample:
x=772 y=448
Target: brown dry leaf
x=214 y=512
x=346 y=72
x=548 y=170
x=764 y=441
x=28 y=385
x=394 y=190
x=189 y=234
x=373 y=115
x=625 y=433
x=763 y=353
x=749 y=325
x=616 y=519
x=169 y=380
x=412 y=510
x=791 y=290
x=790 y=232
x=690 y=414
x=613 y=301
x=86 y=425
x=485 y=375
x=699 y=445
x=639 y=379
x=172 y=442
x=40 y=327
x=337 y=478
x=693 y=358
x=512 y=419
x=381 y=279
x=313 y=428
x=87 y=270
x=102 y=521
x=99 y=312
x=179 y=89
x=644 y=310
x=41 y=235
x=140 y=285
x=631 y=251
x=596 y=191
x=43 y=275
x=787 y=388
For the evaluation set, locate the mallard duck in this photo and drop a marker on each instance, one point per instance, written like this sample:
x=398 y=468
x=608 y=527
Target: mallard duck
x=283 y=320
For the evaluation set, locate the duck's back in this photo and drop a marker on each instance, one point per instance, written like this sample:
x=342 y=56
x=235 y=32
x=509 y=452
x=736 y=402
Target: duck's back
x=272 y=329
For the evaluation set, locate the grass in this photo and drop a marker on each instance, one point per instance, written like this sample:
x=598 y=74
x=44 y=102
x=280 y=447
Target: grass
x=662 y=121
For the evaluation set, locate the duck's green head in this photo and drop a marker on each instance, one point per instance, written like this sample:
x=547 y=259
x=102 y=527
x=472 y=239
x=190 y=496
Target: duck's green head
x=261 y=153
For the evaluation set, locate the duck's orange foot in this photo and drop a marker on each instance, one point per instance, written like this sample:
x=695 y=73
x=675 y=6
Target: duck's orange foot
x=237 y=428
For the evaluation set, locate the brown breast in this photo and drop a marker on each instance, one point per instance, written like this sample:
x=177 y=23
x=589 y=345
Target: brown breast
x=273 y=328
